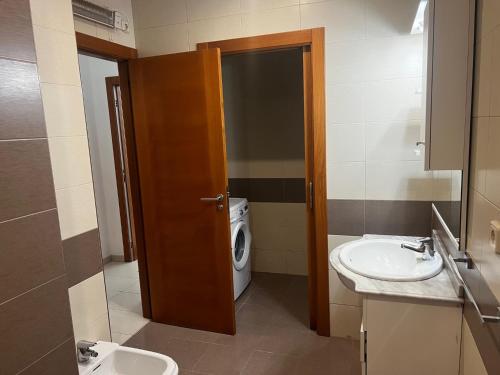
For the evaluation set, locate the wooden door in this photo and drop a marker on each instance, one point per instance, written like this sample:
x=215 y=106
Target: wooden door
x=179 y=127
x=122 y=174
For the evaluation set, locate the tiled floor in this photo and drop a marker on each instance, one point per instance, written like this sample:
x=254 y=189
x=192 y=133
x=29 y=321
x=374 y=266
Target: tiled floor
x=272 y=337
x=124 y=300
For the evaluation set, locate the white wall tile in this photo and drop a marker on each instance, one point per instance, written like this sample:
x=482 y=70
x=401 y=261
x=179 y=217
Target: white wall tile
x=162 y=40
x=345 y=321
x=63 y=108
x=70 y=161
x=342 y=19
x=57 y=56
x=392 y=142
x=154 y=13
x=85 y=27
x=54 y=14
x=492 y=186
x=495 y=74
x=76 y=208
x=442 y=183
x=273 y=261
x=271 y=21
x=482 y=77
x=126 y=38
x=345 y=62
x=345 y=143
x=386 y=18
x=346 y=180
x=344 y=104
x=214 y=29
x=390 y=58
x=405 y=180
x=203 y=9
x=89 y=310
x=488 y=18
x=250 y=5
x=296 y=262
x=393 y=100
x=479 y=153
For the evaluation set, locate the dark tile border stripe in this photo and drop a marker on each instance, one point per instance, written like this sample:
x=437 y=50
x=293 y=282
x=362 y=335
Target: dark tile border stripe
x=358 y=217
x=82 y=256
x=279 y=190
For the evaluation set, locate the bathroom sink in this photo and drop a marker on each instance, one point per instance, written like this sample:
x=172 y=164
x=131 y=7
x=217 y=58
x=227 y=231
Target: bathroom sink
x=384 y=259
x=114 y=359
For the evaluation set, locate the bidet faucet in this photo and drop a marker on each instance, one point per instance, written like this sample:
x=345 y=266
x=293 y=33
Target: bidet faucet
x=84 y=352
x=421 y=245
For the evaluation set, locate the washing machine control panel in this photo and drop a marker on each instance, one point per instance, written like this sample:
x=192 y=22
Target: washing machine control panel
x=242 y=211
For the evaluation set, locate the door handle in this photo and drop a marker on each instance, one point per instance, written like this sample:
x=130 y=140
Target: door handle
x=219 y=198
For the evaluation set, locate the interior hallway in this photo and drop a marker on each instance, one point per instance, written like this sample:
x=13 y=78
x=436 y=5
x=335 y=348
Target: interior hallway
x=124 y=300
x=272 y=337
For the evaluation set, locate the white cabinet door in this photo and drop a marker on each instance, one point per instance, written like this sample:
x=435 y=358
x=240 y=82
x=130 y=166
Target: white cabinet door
x=412 y=339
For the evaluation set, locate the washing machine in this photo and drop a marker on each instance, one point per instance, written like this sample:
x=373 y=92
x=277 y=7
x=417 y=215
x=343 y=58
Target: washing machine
x=241 y=239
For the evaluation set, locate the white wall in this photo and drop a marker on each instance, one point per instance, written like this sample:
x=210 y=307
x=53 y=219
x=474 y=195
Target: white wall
x=124 y=7
x=93 y=72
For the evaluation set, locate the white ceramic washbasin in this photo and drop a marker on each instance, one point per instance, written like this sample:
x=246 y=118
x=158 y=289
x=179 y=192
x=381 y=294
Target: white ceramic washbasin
x=384 y=259
x=114 y=359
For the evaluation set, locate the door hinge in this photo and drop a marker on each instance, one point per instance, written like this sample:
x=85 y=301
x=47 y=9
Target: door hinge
x=116 y=103
x=366 y=346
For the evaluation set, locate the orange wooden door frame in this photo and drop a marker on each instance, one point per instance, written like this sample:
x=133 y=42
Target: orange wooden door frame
x=312 y=42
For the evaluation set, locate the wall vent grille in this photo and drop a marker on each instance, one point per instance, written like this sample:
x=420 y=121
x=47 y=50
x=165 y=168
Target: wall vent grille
x=95 y=13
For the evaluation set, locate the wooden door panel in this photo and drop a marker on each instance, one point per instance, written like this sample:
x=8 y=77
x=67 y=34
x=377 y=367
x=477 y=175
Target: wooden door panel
x=179 y=126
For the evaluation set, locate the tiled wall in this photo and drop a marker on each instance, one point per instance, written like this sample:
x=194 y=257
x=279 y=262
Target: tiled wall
x=67 y=137
x=263 y=105
x=35 y=329
x=124 y=7
x=373 y=95
x=484 y=204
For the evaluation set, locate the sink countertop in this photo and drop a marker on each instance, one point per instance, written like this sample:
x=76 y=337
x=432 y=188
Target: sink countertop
x=437 y=288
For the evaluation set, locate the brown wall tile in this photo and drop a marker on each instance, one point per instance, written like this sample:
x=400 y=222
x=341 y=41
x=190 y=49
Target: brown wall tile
x=278 y=190
x=31 y=253
x=33 y=324
x=404 y=218
x=82 y=256
x=20 y=101
x=16 y=32
x=61 y=360
x=26 y=184
x=346 y=217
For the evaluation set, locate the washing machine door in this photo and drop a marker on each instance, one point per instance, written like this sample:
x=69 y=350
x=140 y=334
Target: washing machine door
x=240 y=245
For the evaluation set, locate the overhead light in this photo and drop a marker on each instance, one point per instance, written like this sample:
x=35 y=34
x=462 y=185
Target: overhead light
x=418 y=23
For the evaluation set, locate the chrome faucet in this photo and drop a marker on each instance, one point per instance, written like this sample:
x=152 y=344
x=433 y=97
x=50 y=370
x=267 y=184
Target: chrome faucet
x=421 y=245
x=84 y=352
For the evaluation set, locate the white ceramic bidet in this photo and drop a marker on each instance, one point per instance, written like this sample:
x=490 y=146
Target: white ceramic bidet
x=114 y=359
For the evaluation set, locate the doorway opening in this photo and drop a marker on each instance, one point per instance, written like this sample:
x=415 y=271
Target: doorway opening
x=108 y=155
x=265 y=147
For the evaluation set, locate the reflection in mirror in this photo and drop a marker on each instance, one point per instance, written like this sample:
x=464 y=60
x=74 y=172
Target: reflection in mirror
x=447 y=198
x=108 y=153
